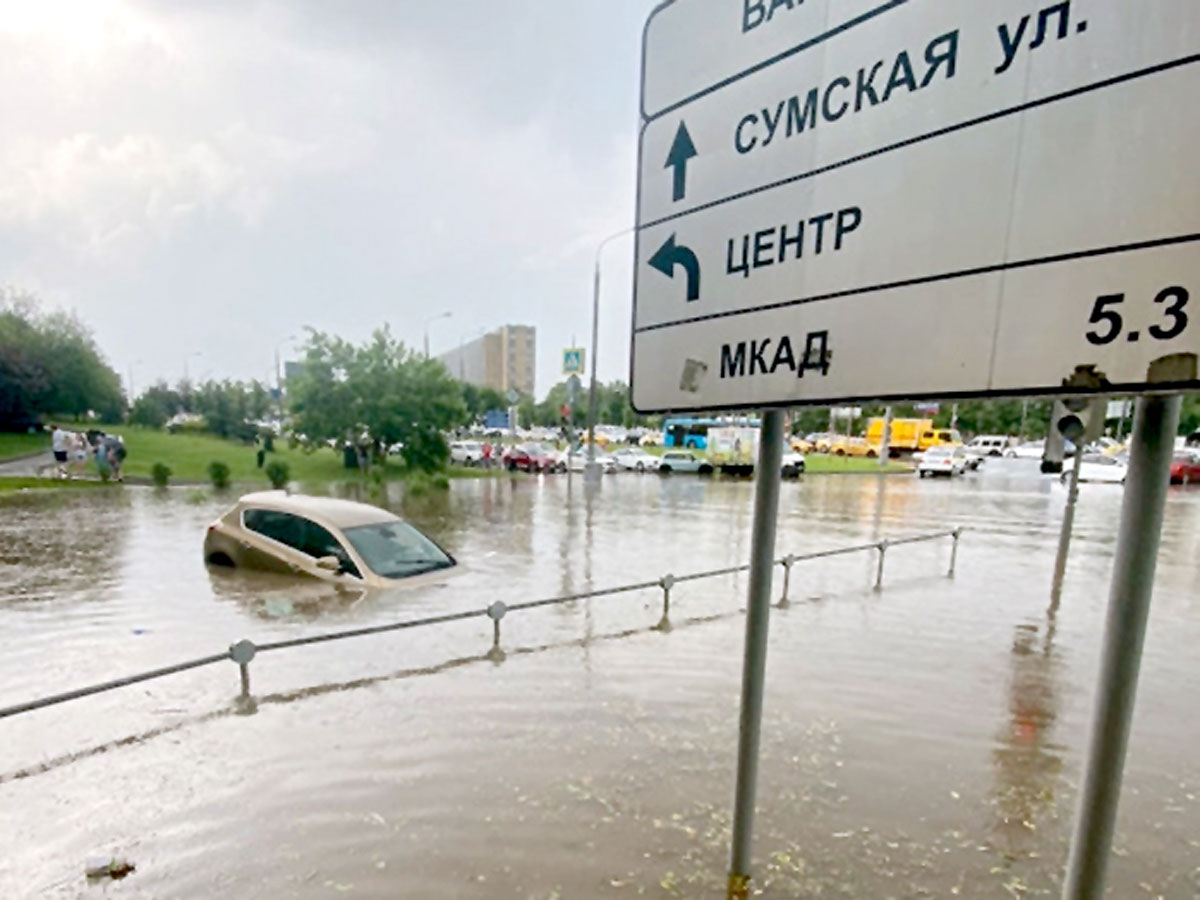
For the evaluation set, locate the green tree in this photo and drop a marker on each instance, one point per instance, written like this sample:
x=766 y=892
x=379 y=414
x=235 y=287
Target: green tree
x=155 y=405
x=50 y=364
x=382 y=389
x=479 y=400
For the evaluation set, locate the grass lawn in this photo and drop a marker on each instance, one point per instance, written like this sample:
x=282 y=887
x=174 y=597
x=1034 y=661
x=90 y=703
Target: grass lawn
x=824 y=464
x=14 y=445
x=11 y=485
x=188 y=456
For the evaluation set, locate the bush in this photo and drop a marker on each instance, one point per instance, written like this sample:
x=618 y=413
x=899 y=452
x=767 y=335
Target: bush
x=426 y=451
x=218 y=473
x=191 y=426
x=160 y=474
x=278 y=474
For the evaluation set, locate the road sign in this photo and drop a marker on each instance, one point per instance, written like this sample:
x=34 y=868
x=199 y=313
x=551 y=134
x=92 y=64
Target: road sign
x=845 y=200
x=573 y=360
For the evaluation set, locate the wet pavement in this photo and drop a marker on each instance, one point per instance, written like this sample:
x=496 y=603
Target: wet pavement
x=921 y=741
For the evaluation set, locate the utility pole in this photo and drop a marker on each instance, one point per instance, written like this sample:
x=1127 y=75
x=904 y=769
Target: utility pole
x=885 y=446
x=592 y=469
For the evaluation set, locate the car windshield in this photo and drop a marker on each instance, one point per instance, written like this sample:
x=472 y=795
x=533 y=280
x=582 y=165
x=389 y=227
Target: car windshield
x=396 y=549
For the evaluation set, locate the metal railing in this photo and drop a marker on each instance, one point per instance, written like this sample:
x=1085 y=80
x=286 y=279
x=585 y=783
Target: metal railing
x=244 y=651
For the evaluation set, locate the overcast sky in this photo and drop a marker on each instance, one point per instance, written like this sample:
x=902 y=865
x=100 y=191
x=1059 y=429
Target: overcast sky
x=200 y=179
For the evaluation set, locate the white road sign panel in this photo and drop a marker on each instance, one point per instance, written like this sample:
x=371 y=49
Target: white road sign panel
x=897 y=178
x=691 y=48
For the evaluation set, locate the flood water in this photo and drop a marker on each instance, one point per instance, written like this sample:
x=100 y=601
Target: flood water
x=920 y=741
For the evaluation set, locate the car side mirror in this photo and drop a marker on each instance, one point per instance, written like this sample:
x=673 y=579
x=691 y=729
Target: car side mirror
x=329 y=564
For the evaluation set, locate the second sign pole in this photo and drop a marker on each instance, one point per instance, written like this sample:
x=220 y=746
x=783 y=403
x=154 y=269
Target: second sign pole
x=758 y=617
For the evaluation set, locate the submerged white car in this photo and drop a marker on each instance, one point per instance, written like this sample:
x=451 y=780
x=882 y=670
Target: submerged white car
x=324 y=538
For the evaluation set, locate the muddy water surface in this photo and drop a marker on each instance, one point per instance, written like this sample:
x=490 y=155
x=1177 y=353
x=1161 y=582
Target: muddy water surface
x=921 y=741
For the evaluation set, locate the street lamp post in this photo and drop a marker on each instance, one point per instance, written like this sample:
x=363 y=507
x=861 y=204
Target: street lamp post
x=442 y=315
x=592 y=471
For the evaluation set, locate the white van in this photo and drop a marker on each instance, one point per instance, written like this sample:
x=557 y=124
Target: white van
x=989 y=444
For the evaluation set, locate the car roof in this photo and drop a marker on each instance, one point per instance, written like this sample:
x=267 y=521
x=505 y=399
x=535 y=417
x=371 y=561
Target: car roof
x=341 y=513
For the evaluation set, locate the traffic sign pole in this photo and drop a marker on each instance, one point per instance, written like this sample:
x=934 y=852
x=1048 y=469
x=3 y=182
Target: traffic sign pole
x=1155 y=423
x=1068 y=525
x=758 y=614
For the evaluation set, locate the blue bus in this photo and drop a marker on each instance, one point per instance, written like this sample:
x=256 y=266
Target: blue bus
x=692 y=432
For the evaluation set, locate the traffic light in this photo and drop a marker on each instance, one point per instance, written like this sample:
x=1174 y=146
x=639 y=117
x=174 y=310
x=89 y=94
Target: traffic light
x=1081 y=420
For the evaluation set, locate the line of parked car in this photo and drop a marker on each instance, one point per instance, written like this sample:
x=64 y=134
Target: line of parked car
x=539 y=459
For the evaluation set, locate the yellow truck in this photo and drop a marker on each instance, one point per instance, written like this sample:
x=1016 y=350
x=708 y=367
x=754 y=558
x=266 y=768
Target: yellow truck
x=912 y=435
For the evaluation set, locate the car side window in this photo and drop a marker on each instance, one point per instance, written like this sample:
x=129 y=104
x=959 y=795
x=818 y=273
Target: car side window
x=278 y=526
x=298 y=533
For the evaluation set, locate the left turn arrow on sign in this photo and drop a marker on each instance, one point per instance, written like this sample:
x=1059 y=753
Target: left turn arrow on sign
x=670 y=255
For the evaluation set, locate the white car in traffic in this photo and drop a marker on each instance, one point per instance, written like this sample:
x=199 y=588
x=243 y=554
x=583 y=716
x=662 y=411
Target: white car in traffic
x=466 y=453
x=1097 y=467
x=793 y=464
x=948 y=461
x=683 y=461
x=576 y=461
x=989 y=444
x=633 y=459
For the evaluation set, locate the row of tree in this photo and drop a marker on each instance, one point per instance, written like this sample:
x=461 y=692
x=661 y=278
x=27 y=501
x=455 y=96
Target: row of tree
x=229 y=408
x=49 y=364
x=379 y=391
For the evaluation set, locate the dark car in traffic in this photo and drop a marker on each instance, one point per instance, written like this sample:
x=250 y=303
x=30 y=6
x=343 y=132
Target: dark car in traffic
x=530 y=458
x=1185 y=467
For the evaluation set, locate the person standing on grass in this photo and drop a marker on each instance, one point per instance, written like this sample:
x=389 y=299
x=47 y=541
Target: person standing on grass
x=60 y=442
x=78 y=452
x=101 y=457
x=115 y=448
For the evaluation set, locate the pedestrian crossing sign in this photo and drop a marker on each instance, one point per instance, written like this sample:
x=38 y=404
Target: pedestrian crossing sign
x=573 y=361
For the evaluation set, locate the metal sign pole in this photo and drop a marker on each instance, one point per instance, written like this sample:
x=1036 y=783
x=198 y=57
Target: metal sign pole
x=885 y=446
x=1155 y=423
x=758 y=612
x=1068 y=524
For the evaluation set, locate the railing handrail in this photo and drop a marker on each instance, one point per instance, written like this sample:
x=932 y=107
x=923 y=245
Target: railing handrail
x=244 y=651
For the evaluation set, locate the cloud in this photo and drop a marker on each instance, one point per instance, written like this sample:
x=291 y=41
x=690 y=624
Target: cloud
x=402 y=157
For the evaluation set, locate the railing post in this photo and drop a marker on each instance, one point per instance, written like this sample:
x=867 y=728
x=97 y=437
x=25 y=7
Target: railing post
x=496 y=612
x=666 y=583
x=882 y=548
x=956 y=534
x=241 y=653
x=787 y=562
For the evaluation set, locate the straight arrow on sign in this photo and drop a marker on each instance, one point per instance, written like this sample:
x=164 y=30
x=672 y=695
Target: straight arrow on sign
x=682 y=149
x=669 y=256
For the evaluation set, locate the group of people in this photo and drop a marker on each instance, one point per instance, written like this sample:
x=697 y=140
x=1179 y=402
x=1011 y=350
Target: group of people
x=74 y=450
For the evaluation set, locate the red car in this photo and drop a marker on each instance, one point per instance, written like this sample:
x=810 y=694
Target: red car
x=1185 y=468
x=530 y=458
